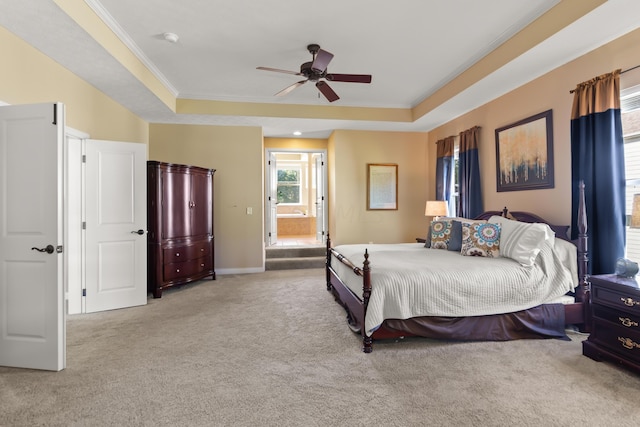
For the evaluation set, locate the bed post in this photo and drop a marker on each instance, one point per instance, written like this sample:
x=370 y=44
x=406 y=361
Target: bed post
x=367 y=342
x=328 y=263
x=583 y=291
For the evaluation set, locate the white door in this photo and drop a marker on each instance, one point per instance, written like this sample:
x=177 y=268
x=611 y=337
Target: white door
x=116 y=218
x=32 y=315
x=272 y=200
x=320 y=197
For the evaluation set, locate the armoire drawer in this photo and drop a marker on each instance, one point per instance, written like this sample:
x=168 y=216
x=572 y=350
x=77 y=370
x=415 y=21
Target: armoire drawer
x=192 y=267
x=186 y=252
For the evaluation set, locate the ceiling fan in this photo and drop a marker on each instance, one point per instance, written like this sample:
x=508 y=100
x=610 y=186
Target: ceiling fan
x=316 y=70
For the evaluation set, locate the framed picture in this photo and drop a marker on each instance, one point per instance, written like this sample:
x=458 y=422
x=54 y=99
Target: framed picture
x=524 y=154
x=382 y=186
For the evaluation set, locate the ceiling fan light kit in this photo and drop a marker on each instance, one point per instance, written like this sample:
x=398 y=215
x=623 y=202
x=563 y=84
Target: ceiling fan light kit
x=316 y=71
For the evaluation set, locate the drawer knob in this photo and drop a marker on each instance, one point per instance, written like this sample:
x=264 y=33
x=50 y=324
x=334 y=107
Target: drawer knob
x=629 y=302
x=625 y=321
x=178 y=254
x=628 y=343
x=177 y=270
x=201 y=249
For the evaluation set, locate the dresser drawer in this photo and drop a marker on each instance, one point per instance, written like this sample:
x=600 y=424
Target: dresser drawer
x=186 y=252
x=618 y=300
x=192 y=267
x=619 y=339
x=625 y=320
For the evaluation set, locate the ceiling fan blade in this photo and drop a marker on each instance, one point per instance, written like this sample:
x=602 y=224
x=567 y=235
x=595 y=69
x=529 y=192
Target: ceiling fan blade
x=326 y=90
x=349 y=78
x=288 y=89
x=321 y=61
x=295 y=73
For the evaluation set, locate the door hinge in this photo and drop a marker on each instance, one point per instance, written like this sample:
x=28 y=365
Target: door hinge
x=84 y=225
x=269 y=234
x=55 y=114
x=84 y=292
x=84 y=158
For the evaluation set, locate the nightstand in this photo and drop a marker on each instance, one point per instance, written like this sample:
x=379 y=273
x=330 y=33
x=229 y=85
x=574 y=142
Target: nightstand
x=615 y=322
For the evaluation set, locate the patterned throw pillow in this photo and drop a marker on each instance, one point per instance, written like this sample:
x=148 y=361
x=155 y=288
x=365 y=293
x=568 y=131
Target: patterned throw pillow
x=440 y=234
x=481 y=239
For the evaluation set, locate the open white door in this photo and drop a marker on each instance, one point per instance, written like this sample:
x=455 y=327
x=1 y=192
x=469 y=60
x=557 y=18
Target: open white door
x=32 y=314
x=320 y=197
x=116 y=223
x=272 y=200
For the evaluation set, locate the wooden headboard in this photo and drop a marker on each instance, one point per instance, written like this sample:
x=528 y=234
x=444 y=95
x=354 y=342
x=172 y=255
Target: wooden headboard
x=561 y=231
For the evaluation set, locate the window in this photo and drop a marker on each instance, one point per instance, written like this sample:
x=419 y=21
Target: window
x=631 y=131
x=289 y=188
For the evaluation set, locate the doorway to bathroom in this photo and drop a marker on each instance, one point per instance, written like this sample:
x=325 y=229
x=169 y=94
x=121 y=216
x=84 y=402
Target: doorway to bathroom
x=295 y=202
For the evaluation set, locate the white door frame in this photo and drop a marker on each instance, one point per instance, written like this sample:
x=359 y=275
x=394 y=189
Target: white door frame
x=74 y=213
x=268 y=153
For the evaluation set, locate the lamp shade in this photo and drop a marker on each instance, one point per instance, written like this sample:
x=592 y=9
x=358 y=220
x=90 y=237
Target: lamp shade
x=635 y=212
x=436 y=208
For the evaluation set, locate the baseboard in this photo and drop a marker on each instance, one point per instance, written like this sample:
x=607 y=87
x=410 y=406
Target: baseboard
x=223 y=271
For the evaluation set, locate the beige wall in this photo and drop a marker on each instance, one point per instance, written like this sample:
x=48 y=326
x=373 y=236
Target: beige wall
x=296 y=143
x=236 y=153
x=349 y=153
x=550 y=91
x=27 y=77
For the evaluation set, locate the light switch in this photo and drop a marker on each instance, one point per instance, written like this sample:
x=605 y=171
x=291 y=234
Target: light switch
x=249 y=211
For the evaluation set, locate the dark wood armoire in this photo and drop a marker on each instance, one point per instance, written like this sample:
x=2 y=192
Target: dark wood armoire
x=180 y=225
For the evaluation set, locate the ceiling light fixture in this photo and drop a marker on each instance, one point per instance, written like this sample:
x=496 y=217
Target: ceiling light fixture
x=297 y=133
x=171 y=37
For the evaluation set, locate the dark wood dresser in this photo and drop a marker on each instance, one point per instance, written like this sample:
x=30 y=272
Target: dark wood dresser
x=615 y=323
x=180 y=225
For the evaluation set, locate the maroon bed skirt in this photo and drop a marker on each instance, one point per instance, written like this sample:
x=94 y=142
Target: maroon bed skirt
x=544 y=321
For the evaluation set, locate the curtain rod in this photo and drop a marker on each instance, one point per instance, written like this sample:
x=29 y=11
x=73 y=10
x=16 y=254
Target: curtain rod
x=621 y=72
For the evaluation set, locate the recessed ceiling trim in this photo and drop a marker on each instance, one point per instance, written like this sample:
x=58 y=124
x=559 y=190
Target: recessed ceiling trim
x=106 y=17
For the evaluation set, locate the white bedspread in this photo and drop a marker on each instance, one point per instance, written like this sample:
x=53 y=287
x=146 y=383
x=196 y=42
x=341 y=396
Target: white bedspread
x=409 y=280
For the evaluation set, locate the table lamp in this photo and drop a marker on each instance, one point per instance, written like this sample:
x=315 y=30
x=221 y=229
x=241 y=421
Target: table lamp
x=438 y=208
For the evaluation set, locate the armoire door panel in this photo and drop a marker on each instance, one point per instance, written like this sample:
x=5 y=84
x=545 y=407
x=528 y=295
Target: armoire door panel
x=176 y=195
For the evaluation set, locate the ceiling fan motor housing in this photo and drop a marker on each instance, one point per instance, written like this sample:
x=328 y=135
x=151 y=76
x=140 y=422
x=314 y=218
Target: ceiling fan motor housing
x=311 y=74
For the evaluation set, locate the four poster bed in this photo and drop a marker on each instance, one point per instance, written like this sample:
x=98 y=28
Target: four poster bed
x=418 y=289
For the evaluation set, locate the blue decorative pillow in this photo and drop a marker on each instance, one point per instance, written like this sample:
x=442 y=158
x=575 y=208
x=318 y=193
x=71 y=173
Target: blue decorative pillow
x=455 y=240
x=481 y=239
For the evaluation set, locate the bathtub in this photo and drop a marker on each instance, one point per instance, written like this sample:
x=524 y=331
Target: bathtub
x=296 y=225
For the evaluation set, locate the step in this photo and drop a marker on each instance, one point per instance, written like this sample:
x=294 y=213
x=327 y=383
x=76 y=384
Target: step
x=295 y=252
x=293 y=263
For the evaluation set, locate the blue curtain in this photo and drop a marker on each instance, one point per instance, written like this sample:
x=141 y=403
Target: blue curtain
x=444 y=168
x=597 y=157
x=470 y=200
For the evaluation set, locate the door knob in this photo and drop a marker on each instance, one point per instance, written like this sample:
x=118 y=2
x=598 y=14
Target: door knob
x=49 y=249
x=140 y=232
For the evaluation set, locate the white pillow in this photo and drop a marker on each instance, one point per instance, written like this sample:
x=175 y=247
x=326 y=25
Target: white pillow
x=521 y=241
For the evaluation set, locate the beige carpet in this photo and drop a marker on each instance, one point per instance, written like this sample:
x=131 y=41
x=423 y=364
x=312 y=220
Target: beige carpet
x=273 y=349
